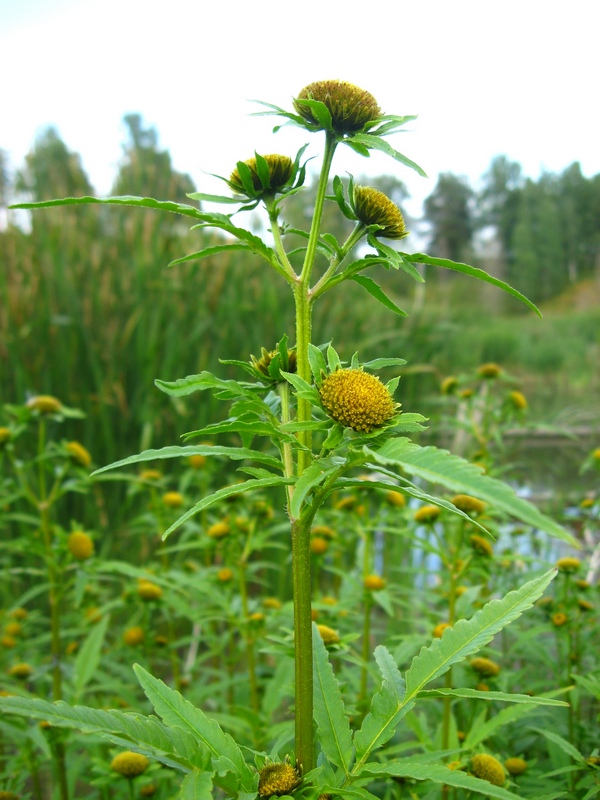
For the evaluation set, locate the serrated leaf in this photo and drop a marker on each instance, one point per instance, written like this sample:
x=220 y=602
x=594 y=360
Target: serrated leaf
x=488 y=727
x=329 y=712
x=443 y=468
x=437 y=773
x=503 y=697
x=474 y=272
x=373 y=142
x=564 y=745
x=196 y=786
x=88 y=657
x=176 y=451
x=222 y=494
x=255 y=427
x=464 y=639
x=378 y=726
x=378 y=363
x=468 y=636
x=125 y=200
x=200 y=383
x=175 y=748
x=178 y=712
x=208 y=251
x=313 y=475
x=375 y=290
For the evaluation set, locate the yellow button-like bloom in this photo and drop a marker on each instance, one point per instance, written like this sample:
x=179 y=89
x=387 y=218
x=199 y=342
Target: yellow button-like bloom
x=79 y=454
x=81 y=545
x=44 y=403
x=357 y=400
x=130 y=764
x=278 y=779
x=373 y=207
x=350 y=107
x=488 y=769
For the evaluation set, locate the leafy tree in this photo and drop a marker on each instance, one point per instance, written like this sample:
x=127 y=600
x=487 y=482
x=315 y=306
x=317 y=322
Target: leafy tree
x=449 y=211
x=51 y=167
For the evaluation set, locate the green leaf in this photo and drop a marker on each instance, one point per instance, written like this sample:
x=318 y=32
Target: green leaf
x=303 y=389
x=468 y=636
x=215 y=198
x=379 y=363
x=474 y=272
x=564 y=745
x=437 y=773
x=125 y=200
x=200 y=383
x=173 y=747
x=88 y=657
x=255 y=427
x=503 y=697
x=333 y=360
x=487 y=728
x=222 y=494
x=375 y=290
x=379 y=724
x=464 y=639
x=196 y=786
x=317 y=361
x=178 y=712
x=373 y=142
x=329 y=712
x=175 y=451
x=444 y=468
x=313 y=475
x=209 y=251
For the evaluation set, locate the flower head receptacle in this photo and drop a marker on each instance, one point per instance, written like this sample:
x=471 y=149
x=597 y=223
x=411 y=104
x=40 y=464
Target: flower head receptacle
x=373 y=207
x=349 y=107
x=357 y=400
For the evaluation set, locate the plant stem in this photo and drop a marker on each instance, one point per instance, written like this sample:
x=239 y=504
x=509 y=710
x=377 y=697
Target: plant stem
x=304 y=741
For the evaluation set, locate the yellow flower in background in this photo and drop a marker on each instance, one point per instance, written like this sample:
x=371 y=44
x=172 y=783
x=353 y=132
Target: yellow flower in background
x=44 y=403
x=79 y=454
x=130 y=764
x=172 y=499
x=328 y=635
x=426 y=514
x=81 y=545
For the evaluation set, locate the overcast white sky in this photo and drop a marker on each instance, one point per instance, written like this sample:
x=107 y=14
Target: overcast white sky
x=484 y=77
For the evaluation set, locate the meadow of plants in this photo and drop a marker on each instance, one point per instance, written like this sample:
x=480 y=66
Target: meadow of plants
x=306 y=597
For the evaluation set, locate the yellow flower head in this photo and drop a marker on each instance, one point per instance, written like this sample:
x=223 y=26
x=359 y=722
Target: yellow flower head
x=133 y=636
x=596 y=454
x=395 y=498
x=515 y=766
x=129 y=764
x=584 y=604
x=518 y=400
x=328 y=635
x=4 y=795
x=280 y=171
x=224 y=575
x=351 y=108
x=568 y=564
x=148 y=590
x=323 y=530
x=13 y=628
x=468 y=504
x=481 y=545
x=488 y=769
x=449 y=385
x=19 y=613
x=173 y=499
x=318 y=545
x=278 y=779
x=426 y=514
x=357 y=400
x=79 y=454
x=485 y=666
x=374 y=583
x=81 y=545
x=197 y=461
x=8 y=642
x=4 y=435
x=559 y=619
x=440 y=628
x=150 y=475
x=44 y=403
x=488 y=370
x=272 y=602
x=22 y=671
x=373 y=207
x=218 y=530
